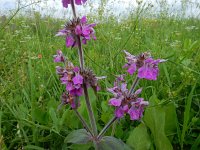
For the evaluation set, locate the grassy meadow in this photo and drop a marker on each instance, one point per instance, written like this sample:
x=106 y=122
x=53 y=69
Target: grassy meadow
x=30 y=89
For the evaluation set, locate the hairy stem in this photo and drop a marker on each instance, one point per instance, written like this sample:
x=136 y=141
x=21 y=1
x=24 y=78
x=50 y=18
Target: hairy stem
x=135 y=83
x=113 y=129
x=83 y=122
x=80 y=52
x=90 y=111
x=73 y=9
x=103 y=131
x=81 y=61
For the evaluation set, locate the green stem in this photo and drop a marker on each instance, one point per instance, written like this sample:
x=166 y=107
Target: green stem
x=103 y=131
x=80 y=52
x=90 y=111
x=73 y=9
x=83 y=121
x=81 y=61
x=135 y=83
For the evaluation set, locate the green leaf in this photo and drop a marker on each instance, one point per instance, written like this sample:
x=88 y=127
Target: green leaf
x=71 y=120
x=33 y=147
x=80 y=136
x=39 y=115
x=187 y=115
x=80 y=146
x=196 y=143
x=111 y=143
x=104 y=106
x=54 y=118
x=139 y=139
x=170 y=119
x=154 y=118
x=167 y=75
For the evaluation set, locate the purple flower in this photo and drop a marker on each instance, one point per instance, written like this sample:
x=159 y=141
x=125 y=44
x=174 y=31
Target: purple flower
x=132 y=68
x=146 y=66
x=78 y=79
x=125 y=102
x=59 y=57
x=119 y=112
x=73 y=82
x=78 y=28
x=77 y=91
x=150 y=69
x=135 y=114
x=70 y=41
x=77 y=2
x=115 y=102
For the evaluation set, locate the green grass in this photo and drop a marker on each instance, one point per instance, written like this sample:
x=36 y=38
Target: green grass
x=30 y=90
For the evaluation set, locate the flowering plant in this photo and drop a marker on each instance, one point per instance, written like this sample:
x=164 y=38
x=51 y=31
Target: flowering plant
x=77 y=80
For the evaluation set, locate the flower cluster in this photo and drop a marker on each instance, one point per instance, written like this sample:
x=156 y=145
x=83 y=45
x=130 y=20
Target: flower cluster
x=66 y=98
x=77 y=28
x=73 y=81
x=90 y=79
x=71 y=77
x=67 y=2
x=126 y=102
x=146 y=66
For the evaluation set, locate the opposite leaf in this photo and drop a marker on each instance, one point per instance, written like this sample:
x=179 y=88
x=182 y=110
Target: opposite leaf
x=80 y=136
x=112 y=143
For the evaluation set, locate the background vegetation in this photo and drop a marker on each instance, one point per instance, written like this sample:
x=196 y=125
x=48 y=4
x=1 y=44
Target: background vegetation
x=30 y=90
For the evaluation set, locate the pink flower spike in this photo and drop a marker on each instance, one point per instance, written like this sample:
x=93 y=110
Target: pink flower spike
x=115 y=102
x=78 y=27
